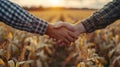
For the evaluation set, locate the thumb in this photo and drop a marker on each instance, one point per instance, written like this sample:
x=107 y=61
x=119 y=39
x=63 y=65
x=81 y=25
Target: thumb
x=65 y=25
x=59 y=24
x=69 y=26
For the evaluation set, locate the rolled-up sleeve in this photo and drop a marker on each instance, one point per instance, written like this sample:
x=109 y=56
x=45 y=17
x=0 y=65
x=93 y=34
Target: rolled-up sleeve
x=103 y=17
x=15 y=16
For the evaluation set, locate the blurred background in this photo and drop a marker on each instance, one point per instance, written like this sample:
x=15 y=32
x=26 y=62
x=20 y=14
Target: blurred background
x=98 y=49
x=46 y=9
x=62 y=3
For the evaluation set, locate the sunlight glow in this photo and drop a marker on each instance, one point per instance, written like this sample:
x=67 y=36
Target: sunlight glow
x=62 y=3
x=55 y=2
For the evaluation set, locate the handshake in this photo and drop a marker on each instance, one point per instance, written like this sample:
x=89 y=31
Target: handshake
x=64 y=33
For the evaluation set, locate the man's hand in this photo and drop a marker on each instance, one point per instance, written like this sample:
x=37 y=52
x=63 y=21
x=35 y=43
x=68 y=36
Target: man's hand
x=61 y=34
x=77 y=29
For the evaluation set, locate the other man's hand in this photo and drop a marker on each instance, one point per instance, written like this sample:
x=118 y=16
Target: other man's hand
x=76 y=29
x=61 y=34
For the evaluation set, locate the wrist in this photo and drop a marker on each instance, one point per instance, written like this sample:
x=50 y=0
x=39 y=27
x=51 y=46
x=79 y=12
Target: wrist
x=80 y=28
x=49 y=28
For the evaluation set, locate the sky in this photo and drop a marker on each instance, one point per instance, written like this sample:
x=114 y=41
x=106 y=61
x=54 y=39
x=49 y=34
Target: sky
x=63 y=3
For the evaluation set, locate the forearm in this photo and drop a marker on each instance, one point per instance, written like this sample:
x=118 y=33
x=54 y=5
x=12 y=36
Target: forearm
x=103 y=17
x=18 y=18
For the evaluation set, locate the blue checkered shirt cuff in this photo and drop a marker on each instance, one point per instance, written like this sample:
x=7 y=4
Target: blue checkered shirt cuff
x=15 y=16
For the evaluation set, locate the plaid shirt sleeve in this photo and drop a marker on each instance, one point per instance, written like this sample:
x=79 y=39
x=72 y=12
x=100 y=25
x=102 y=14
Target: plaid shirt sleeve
x=103 y=17
x=13 y=15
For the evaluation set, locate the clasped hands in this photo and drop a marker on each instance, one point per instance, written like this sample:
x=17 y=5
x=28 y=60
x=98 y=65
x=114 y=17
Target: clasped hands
x=64 y=33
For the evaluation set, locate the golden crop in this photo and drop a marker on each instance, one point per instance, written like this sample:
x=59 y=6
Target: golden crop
x=23 y=49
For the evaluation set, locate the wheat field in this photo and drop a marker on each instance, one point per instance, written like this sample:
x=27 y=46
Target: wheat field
x=23 y=49
x=71 y=16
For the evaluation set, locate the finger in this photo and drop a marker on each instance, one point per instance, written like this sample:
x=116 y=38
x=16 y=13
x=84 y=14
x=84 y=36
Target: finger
x=70 y=38
x=63 y=38
x=66 y=38
x=59 y=42
x=62 y=44
x=54 y=39
x=73 y=35
x=66 y=41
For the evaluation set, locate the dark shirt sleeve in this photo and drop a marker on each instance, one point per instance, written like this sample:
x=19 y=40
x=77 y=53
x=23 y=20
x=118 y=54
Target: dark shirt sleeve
x=103 y=17
x=15 y=16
